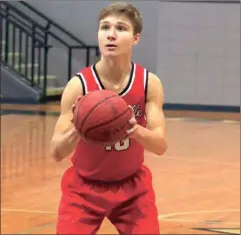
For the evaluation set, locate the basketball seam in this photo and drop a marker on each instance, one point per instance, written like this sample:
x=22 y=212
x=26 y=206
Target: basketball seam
x=94 y=107
x=78 y=107
x=105 y=123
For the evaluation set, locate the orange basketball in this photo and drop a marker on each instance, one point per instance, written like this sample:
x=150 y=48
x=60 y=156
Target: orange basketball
x=102 y=116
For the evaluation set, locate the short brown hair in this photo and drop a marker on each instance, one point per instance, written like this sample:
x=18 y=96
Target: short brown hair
x=125 y=9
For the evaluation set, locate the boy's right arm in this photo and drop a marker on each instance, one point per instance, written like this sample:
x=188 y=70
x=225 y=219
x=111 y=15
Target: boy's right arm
x=65 y=136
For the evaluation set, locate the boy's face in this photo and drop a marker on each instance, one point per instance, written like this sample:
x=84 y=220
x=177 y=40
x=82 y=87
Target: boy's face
x=116 y=36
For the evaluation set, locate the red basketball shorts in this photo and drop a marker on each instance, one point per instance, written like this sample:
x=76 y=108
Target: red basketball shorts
x=129 y=205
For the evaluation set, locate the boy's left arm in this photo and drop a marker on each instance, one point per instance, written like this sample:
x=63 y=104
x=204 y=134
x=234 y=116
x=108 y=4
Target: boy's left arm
x=153 y=137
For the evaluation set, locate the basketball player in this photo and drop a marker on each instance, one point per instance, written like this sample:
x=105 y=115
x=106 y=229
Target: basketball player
x=112 y=181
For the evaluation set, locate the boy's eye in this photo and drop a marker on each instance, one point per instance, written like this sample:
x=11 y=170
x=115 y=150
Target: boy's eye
x=104 y=27
x=121 y=28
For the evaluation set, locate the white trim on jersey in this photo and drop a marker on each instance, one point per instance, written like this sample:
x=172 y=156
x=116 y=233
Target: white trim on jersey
x=132 y=81
x=84 y=82
x=145 y=78
x=96 y=79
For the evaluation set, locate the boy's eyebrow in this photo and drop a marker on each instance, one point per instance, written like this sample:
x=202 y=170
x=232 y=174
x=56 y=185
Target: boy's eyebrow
x=119 y=22
x=104 y=22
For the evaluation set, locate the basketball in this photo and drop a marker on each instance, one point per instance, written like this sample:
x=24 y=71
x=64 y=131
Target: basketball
x=102 y=116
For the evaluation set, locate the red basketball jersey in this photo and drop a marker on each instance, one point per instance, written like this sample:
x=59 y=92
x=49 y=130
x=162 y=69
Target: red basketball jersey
x=124 y=158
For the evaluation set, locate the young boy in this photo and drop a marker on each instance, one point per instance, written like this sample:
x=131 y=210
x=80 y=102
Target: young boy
x=112 y=181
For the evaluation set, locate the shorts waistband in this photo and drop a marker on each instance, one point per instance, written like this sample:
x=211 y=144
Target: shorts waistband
x=109 y=182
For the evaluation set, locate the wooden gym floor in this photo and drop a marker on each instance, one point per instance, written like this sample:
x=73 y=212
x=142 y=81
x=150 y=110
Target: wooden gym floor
x=197 y=182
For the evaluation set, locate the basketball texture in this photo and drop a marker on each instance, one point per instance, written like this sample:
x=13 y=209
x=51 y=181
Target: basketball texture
x=102 y=116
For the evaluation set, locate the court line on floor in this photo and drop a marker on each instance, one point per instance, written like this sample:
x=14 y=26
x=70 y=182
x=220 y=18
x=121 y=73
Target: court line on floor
x=36 y=228
x=166 y=217
x=202 y=221
x=28 y=211
x=160 y=216
x=197 y=212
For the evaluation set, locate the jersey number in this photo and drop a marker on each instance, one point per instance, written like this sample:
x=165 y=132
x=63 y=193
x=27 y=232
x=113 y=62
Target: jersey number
x=119 y=146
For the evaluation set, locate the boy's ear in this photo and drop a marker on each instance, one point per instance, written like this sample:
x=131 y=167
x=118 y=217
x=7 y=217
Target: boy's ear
x=136 y=39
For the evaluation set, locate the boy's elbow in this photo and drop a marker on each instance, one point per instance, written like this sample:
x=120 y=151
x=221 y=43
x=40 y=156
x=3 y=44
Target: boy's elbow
x=54 y=152
x=162 y=149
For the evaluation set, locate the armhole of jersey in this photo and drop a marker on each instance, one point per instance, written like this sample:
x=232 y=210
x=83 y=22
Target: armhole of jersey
x=146 y=83
x=79 y=75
